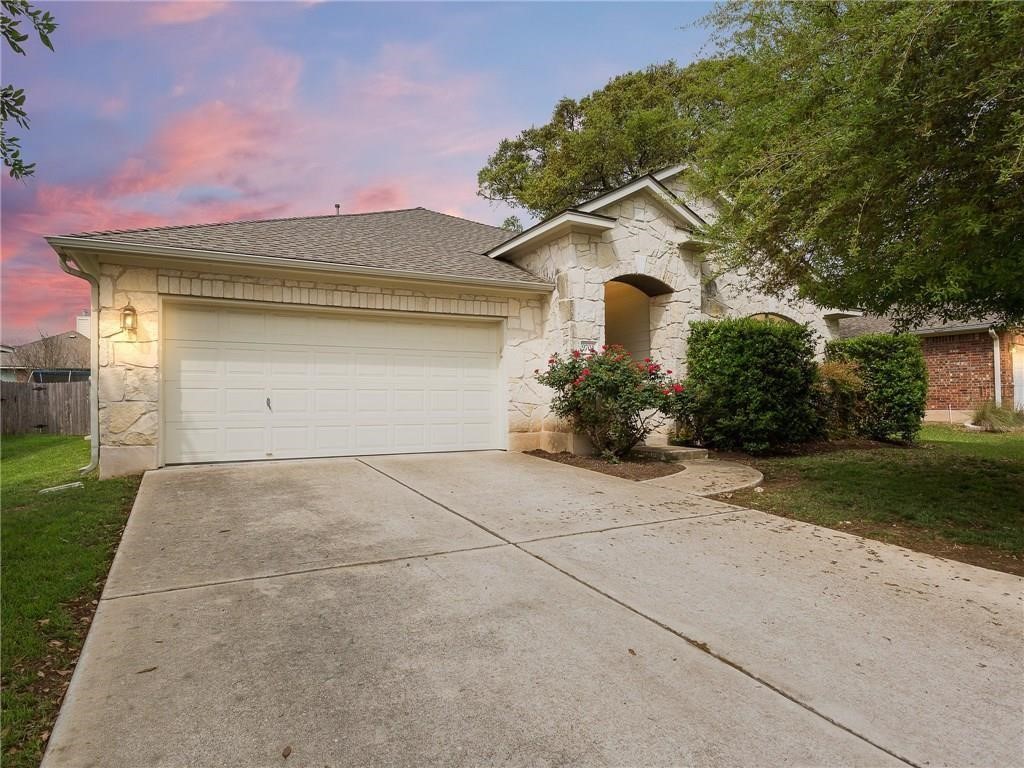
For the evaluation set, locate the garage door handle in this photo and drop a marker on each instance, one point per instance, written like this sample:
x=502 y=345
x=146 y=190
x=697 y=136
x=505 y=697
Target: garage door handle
x=268 y=406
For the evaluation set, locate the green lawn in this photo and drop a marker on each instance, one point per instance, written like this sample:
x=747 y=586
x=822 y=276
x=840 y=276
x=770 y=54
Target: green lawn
x=958 y=494
x=55 y=551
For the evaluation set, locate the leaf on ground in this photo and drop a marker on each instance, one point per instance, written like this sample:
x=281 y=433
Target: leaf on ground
x=287 y=751
x=144 y=671
x=632 y=652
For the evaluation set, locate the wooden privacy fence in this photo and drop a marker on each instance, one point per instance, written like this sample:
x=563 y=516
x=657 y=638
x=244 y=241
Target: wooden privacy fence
x=60 y=408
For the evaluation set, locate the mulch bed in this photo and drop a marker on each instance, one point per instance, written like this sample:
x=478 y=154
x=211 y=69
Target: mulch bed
x=632 y=468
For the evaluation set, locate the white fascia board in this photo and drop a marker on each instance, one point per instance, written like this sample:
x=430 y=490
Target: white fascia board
x=951 y=330
x=554 y=227
x=830 y=313
x=667 y=173
x=649 y=184
x=59 y=244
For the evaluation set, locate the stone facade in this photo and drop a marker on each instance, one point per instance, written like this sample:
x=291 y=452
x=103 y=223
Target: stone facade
x=645 y=240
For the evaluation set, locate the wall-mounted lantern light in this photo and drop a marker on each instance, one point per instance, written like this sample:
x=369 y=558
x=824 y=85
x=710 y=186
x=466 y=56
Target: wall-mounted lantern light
x=129 y=318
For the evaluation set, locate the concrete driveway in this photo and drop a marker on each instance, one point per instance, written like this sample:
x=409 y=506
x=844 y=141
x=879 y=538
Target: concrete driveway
x=493 y=608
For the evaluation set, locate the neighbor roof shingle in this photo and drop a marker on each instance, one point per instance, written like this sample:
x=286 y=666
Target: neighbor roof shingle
x=410 y=240
x=850 y=327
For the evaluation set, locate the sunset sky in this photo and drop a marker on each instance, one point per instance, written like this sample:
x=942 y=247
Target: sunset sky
x=191 y=112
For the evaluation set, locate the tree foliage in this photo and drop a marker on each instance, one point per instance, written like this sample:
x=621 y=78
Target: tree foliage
x=12 y=106
x=639 y=122
x=893 y=370
x=874 y=155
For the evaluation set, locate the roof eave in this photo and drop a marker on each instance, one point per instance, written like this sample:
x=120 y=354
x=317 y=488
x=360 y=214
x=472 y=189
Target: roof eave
x=558 y=225
x=653 y=185
x=62 y=243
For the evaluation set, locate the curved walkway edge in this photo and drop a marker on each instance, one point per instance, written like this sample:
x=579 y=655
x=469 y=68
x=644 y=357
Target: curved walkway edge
x=709 y=477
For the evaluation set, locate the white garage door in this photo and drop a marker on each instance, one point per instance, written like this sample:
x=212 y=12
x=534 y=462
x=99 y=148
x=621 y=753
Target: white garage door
x=241 y=384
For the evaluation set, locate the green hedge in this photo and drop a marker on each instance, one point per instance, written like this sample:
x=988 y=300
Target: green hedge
x=896 y=381
x=750 y=384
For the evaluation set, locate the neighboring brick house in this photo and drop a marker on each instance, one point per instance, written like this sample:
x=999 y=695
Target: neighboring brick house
x=962 y=364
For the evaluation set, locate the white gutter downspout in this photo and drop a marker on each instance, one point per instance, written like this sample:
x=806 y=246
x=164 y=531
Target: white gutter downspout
x=997 y=366
x=94 y=360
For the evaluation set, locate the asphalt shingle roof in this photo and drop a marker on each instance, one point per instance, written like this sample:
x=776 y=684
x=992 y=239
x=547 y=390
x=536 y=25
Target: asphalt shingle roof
x=849 y=327
x=413 y=240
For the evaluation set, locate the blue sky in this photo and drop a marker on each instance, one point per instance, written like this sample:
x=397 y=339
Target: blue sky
x=166 y=113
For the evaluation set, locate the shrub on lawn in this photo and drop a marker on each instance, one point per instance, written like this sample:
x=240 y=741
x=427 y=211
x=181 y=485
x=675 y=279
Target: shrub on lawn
x=893 y=370
x=839 y=398
x=749 y=384
x=607 y=396
x=996 y=418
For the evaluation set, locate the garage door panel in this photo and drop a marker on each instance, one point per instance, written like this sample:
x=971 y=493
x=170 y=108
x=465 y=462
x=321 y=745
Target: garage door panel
x=371 y=402
x=245 y=441
x=332 y=440
x=332 y=364
x=477 y=401
x=479 y=435
x=291 y=401
x=372 y=437
x=290 y=440
x=195 y=443
x=291 y=363
x=185 y=361
x=251 y=362
x=242 y=401
x=288 y=328
x=371 y=365
x=242 y=326
x=194 y=402
x=331 y=402
x=412 y=367
x=194 y=325
x=337 y=385
x=445 y=437
x=410 y=438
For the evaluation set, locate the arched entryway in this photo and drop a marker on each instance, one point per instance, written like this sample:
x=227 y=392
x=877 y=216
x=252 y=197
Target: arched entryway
x=627 y=312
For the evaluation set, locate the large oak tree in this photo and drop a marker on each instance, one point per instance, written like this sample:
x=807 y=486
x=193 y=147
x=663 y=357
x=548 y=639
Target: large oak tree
x=639 y=122
x=874 y=155
x=866 y=154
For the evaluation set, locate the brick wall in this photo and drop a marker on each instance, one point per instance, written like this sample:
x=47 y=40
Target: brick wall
x=959 y=370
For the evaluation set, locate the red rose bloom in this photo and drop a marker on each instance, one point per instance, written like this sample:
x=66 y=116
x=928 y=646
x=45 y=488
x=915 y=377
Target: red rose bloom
x=678 y=388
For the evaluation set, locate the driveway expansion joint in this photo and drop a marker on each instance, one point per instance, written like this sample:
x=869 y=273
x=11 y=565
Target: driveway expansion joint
x=297 y=572
x=631 y=525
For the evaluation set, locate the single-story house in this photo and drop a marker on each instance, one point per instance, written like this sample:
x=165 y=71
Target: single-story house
x=964 y=360
x=392 y=332
x=61 y=357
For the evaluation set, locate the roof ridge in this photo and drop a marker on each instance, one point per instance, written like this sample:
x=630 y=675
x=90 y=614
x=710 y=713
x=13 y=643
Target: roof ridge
x=463 y=218
x=251 y=221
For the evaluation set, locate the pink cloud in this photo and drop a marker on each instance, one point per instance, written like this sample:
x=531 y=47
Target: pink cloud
x=399 y=129
x=183 y=11
x=377 y=197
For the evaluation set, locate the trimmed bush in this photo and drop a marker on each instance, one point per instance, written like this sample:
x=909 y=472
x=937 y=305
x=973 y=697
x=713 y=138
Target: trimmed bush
x=609 y=397
x=749 y=385
x=839 y=393
x=892 y=367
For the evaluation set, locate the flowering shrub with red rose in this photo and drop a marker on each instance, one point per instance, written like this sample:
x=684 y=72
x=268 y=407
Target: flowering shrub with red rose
x=608 y=396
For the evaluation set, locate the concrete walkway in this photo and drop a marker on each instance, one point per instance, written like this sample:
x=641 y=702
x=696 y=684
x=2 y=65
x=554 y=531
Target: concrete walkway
x=709 y=477
x=493 y=608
